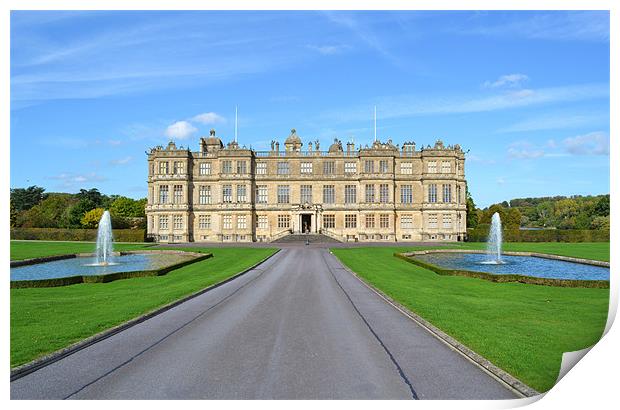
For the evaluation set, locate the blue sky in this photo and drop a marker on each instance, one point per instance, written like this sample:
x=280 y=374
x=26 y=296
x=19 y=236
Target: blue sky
x=527 y=93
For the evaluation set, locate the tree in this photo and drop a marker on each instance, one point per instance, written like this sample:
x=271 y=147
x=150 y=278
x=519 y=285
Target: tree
x=472 y=211
x=601 y=222
x=47 y=214
x=602 y=206
x=23 y=199
x=91 y=218
x=127 y=207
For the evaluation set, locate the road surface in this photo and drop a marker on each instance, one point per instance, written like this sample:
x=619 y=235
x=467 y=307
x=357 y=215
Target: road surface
x=299 y=326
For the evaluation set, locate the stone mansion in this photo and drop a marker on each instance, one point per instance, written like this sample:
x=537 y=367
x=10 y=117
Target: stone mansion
x=373 y=193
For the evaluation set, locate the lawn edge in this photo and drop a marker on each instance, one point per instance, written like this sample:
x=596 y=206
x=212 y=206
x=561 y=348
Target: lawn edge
x=36 y=364
x=510 y=382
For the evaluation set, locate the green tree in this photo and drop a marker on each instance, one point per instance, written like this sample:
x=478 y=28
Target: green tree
x=91 y=218
x=472 y=212
x=127 y=207
x=601 y=222
x=602 y=206
x=25 y=198
x=47 y=214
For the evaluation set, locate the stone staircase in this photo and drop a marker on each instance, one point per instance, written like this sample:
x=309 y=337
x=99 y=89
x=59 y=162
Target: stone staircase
x=303 y=237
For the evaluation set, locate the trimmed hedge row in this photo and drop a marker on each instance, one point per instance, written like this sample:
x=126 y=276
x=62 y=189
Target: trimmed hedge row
x=72 y=280
x=543 y=235
x=60 y=234
x=565 y=283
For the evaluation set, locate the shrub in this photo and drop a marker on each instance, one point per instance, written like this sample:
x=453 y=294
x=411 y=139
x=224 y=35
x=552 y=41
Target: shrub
x=543 y=235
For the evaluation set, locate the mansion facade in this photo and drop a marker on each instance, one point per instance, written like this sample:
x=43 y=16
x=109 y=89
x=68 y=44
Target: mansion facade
x=373 y=193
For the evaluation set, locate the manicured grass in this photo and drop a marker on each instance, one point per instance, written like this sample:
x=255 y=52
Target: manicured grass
x=46 y=319
x=36 y=249
x=523 y=329
x=587 y=250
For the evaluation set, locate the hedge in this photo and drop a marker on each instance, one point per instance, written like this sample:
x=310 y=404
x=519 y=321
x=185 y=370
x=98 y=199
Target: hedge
x=532 y=280
x=543 y=235
x=59 y=234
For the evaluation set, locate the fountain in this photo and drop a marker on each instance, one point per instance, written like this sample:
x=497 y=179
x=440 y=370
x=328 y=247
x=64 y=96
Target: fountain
x=104 y=240
x=494 y=243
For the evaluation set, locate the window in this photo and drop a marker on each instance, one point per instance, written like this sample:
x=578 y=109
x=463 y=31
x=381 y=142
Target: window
x=306 y=194
x=447 y=221
x=261 y=168
x=283 y=194
x=163 y=237
x=163 y=167
x=370 y=221
x=242 y=222
x=178 y=168
x=406 y=168
x=369 y=167
x=350 y=194
x=151 y=169
x=447 y=193
x=383 y=166
x=284 y=221
x=329 y=168
x=459 y=199
x=384 y=221
x=163 y=222
x=329 y=221
x=178 y=194
x=432 y=167
x=350 y=221
x=329 y=196
x=306 y=168
x=204 y=221
x=370 y=193
x=242 y=167
x=205 y=168
x=178 y=222
x=241 y=193
x=406 y=221
x=384 y=193
x=283 y=168
x=226 y=221
x=432 y=220
x=163 y=194
x=262 y=222
x=445 y=167
x=350 y=168
x=227 y=194
x=261 y=194
x=204 y=195
x=406 y=194
x=432 y=193
x=226 y=167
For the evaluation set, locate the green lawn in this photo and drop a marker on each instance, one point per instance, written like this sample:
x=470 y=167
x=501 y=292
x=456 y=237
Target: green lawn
x=35 y=249
x=523 y=329
x=46 y=319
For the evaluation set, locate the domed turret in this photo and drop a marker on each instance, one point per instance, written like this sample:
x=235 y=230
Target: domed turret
x=293 y=142
x=213 y=143
x=336 y=147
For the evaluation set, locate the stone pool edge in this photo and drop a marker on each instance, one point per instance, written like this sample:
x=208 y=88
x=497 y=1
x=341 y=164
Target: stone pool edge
x=106 y=278
x=532 y=280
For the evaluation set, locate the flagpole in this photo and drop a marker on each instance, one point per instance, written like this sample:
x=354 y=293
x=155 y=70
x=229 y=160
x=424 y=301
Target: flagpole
x=375 y=123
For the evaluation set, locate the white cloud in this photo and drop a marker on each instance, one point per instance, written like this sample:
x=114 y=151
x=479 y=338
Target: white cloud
x=524 y=150
x=121 y=161
x=180 y=129
x=403 y=106
x=209 y=118
x=114 y=142
x=328 y=49
x=72 y=180
x=594 y=143
x=508 y=80
x=557 y=121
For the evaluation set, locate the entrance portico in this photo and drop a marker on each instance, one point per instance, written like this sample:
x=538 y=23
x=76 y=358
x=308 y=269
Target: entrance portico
x=306 y=218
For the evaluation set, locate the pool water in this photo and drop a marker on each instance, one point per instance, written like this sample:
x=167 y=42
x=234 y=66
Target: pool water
x=520 y=265
x=80 y=266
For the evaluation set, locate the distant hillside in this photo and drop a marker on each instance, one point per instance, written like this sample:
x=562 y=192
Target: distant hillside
x=560 y=212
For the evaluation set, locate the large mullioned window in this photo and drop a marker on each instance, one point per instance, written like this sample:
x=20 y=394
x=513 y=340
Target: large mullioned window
x=432 y=193
x=305 y=194
x=283 y=194
x=329 y=195
x=447 y=193
x=406 y=194
x=350 y=194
